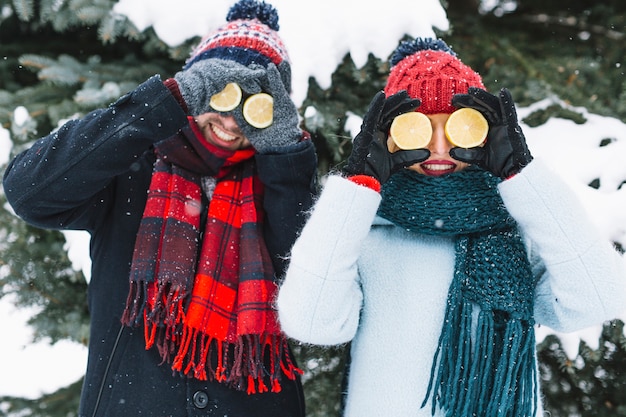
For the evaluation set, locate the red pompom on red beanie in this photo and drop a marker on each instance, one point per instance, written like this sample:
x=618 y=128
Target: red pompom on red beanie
x=430 y=71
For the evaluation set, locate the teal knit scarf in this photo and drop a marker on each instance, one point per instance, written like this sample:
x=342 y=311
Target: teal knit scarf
x=484 y=364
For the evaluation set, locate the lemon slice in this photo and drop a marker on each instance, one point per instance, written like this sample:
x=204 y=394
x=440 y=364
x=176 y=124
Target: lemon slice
x=411 y=130
x=466 y=128
x=227 y=99
x=258 y=110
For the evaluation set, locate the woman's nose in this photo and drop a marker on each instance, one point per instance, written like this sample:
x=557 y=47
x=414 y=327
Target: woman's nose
x=439 y=144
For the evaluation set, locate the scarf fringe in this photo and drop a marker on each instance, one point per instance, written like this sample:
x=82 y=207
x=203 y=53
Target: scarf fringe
x=240 y=365
x=135 y=304
x=496 y=376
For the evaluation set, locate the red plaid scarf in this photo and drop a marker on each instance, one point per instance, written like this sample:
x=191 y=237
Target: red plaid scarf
x=208 y=311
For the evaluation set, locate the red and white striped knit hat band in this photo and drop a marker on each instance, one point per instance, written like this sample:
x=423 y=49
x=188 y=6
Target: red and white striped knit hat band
x=249 y=37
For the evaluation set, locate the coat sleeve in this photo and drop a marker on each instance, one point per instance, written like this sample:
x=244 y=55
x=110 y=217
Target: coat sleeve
x=320 y=300
x=51 y=184
x=290 y=181
x=581 y=280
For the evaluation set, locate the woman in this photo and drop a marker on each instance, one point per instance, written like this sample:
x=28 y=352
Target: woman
x=436 y=263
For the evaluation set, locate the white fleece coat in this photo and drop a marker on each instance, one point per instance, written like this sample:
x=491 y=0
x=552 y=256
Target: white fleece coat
x=357 y=277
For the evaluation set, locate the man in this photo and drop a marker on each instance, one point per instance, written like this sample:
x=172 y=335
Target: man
x=192 y=202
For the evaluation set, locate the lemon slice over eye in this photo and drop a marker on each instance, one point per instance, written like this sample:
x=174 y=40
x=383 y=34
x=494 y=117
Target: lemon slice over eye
x=258 y=110
x=227 y=99
x=466 y=128
x=411 y=131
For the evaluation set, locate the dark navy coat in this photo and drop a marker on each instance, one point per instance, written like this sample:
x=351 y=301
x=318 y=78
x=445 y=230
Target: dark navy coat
x=93 y=174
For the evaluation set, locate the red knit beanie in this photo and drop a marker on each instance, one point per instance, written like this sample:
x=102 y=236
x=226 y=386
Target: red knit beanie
x=430 y=71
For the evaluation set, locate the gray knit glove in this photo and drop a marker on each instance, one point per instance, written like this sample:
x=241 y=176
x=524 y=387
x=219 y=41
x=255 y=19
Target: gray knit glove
x=284 y=130
x=198 y=83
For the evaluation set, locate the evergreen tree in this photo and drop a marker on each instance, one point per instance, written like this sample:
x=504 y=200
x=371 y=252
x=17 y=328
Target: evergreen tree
x=91 y=56
x=593 y=383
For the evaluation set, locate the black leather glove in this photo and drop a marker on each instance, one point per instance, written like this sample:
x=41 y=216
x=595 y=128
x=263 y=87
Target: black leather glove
x=370 y=155
x=505 y=152
x=198 y=83
x=285 y=128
